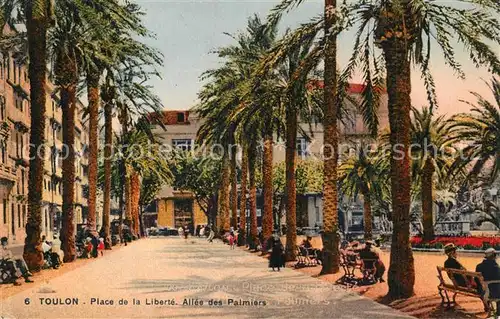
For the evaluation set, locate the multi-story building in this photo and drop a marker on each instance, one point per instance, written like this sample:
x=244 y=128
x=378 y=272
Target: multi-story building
x=175 y=207
x=15 y=124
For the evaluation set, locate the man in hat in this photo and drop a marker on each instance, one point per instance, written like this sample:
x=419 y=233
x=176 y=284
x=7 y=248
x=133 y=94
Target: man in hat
x=452 y=263
x=490 y=271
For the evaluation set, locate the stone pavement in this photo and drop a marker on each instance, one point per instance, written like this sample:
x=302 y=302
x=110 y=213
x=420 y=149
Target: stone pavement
x=172 y=278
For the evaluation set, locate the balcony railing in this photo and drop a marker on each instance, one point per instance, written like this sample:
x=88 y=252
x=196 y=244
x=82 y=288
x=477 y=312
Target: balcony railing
x=8 y=173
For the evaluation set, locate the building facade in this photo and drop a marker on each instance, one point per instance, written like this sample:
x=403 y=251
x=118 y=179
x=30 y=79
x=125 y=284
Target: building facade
x=177 y=208
x=15 y=124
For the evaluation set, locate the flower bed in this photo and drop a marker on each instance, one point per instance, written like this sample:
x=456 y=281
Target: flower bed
x=468 y=243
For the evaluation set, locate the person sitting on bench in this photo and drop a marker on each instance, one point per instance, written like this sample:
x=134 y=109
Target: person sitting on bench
x=16 y=265
x=452 y=263
x=490 y=271
x=369 y=253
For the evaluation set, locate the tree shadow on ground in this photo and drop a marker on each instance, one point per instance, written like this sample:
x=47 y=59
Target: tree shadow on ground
x=430 y=307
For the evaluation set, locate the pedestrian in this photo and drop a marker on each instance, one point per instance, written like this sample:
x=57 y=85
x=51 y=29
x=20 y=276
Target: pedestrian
x=100 y=247
x=211 y=236
x=186 y=232
x=276 y=259
x=231 y=240
x=95 y=244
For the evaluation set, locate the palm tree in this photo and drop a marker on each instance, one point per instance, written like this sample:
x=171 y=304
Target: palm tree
x=481 y=131
x=366 y=174
x=39 y=17
x=431 y=160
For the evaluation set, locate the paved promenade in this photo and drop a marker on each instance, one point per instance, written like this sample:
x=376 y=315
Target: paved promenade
x=172 y=278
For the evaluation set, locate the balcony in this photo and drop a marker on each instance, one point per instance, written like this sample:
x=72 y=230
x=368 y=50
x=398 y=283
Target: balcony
x=8 y=174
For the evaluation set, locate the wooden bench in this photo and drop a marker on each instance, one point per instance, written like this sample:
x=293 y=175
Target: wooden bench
x=472 y=280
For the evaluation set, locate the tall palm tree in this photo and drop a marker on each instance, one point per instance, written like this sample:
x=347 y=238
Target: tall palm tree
x=481 y=131
x=366 y=174
x=39 y=17
x=65 y=37
x=431 y=160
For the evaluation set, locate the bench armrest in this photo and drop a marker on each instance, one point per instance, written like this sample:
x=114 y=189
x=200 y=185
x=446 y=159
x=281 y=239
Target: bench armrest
x=492 y=282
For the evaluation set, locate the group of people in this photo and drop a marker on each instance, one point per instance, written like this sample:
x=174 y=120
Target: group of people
x=368 y=253
x=93 y=246
x=488 y=268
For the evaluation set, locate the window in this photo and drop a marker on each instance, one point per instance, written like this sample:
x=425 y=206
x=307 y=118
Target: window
x=15 y=73
x=2 y=108
x=18 y=216
x=13 y=222
x=180 y=117
x=302 y=147
x=45 y=184
x=22 y=181
x=7 y=61
x=22 y=144
x=4 y=210
x=24 y=214
x=3 y=152
x=317 y=215
x=2 y=67
x=350 y=124
x=18 y=101
x=46 y=218
x=182 y=144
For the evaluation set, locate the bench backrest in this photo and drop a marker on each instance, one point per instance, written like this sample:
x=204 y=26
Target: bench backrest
x=470 y=278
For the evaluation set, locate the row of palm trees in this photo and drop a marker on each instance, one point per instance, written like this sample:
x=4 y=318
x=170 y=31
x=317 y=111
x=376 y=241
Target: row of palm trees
x=265 y=83
x=94 y=46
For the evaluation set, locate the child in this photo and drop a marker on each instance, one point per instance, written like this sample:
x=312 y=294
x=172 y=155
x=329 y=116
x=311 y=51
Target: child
x=231 y=240
x=88 y=248
x=100 y=247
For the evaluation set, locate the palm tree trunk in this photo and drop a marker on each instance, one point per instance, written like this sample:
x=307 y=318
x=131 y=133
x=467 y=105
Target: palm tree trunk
x=331 y=257
x=123 y=119
x=243 y=198
x=68 y=105
x=135 y=189
x=224 y=195
x=234 y=188
x=128 y=200
x=252 y=197
x=367 y=215
x=428 y=199
x=108 y=148
x=267 y=182
x=401 y=275
x=37 y=49
x=291 y=183
x=93 y=98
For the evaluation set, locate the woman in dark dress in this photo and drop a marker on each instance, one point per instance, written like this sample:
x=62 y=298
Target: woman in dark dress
x=276 y=258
